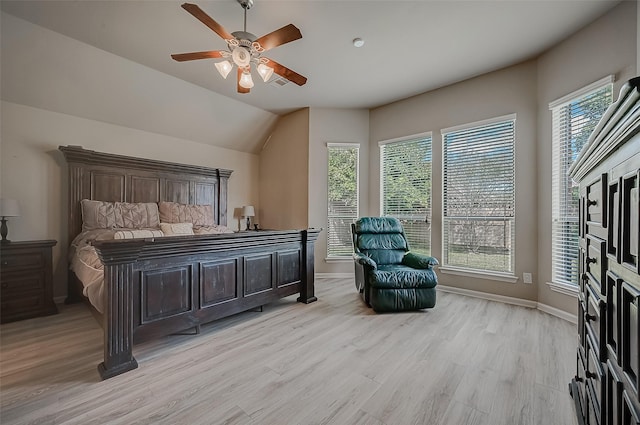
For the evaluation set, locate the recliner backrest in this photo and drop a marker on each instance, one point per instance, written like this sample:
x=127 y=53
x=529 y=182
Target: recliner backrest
x=381 y=238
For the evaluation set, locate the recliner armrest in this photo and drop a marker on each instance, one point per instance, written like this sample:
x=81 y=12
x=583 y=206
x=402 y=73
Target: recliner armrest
x=419 y=261
x=364 y=260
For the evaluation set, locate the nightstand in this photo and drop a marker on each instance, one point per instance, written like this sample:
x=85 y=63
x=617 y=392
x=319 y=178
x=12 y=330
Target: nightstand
x=26 y=280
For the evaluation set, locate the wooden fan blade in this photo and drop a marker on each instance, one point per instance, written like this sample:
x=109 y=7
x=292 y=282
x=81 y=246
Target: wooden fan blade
x=213 y=54
x=279 y=37
x=207 y=20
x=240 y=88
x=287 y=73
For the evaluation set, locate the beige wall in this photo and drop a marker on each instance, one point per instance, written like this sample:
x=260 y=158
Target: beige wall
x=33 y=171
x=337 y=126
x=508 y=91
x=606 y=46
x=47 y=70
x=284 y=174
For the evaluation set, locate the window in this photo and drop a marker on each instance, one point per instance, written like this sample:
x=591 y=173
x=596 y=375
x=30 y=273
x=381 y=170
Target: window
x=342 y=202
x=405 y=192
x=574 y=118
x=479 y=196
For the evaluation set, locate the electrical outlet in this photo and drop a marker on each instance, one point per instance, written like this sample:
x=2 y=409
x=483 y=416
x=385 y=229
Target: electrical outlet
x=526 y=278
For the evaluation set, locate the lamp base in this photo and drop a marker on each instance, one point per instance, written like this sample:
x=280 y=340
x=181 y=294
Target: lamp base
x=4 y=230
x=248 y=223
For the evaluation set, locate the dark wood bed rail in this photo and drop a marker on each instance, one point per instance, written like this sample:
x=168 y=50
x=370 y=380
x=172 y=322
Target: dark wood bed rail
x=210 y=277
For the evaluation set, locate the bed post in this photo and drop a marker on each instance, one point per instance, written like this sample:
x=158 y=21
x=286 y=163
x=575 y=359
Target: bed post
x=118 y=314
x=307 y=290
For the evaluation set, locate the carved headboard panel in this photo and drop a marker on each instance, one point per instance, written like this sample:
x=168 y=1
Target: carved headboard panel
x=116 y=178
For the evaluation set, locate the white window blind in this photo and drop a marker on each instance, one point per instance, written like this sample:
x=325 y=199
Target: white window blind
x=573 y=119
x=342 y=199
x=405 y=168
x=479 y=195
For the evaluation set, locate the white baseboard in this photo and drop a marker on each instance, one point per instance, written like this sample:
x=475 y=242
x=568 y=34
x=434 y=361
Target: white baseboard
x=487 y=296
x=334 y=275
x=558 y=313
x=561 y=314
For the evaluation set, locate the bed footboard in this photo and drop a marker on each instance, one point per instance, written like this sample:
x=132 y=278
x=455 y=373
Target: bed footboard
x=159 y=286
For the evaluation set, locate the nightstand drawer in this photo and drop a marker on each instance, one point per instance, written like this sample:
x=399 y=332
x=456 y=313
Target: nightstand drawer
x=22 y=306
x=24 y=260
x=26 y=280
x=23 y=281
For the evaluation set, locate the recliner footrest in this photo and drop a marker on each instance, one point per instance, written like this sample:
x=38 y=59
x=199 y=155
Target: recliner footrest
x=400 y=277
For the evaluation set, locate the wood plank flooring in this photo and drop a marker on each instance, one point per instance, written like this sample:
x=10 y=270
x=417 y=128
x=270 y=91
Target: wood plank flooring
x=465 y=362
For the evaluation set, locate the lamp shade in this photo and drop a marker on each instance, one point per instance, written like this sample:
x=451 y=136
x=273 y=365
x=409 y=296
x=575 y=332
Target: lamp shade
x=245 y=80
x=248 y=211
x=224 y=68
x=10 y=208
x=265 y=72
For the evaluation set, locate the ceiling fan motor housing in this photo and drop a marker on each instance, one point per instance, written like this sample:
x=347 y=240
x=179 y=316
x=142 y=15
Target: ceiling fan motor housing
x=246 y=4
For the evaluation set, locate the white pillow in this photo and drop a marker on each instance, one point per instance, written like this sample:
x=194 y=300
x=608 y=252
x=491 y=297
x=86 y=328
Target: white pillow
x=171 y=229
x=211 y=230
x=139 y=233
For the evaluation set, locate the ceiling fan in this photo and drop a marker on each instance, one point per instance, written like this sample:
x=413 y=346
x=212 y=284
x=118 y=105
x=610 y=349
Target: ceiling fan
x=245 y=49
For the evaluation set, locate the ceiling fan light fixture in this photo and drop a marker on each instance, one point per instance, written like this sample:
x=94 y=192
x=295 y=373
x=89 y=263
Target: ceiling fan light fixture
x=245 y=80
x=245 y=50
x=224 y=68
x=265 y=72
x=241 y=56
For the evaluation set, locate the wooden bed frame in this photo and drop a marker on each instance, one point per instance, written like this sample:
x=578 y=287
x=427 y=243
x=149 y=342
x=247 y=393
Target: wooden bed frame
x=155 y=287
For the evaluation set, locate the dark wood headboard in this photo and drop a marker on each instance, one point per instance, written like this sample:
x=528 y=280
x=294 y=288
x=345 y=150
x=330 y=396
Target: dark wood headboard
x=117 y=178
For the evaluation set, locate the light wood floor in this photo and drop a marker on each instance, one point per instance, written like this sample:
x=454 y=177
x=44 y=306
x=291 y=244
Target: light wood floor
x=467 y=361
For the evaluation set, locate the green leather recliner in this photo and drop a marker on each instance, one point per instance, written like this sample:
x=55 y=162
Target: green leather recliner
x=388 y=276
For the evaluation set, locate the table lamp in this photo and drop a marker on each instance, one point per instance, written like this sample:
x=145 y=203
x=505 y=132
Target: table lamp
x=8 y=208
x=248 y=212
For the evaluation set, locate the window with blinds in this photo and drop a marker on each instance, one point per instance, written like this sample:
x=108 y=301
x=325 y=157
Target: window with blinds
x=342 y=202
x=479 y=195
x=574 y=117
x=405 y=176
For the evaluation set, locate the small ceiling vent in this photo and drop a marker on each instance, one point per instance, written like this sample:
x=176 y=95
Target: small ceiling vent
x=279 y=82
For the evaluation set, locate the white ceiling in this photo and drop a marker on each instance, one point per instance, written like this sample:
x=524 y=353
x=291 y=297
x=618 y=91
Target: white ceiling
x=410 y=46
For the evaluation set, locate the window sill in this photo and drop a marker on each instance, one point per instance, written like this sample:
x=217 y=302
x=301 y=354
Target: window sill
x=502 y=277
x=565 y=289
x=338 y=259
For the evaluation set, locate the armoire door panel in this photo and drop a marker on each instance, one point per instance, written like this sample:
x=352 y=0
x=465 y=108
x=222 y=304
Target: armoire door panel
x=630 y=336
x=614 y=202
x=630 y=221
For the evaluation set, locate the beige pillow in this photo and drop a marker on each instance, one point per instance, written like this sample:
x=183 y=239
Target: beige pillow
x=139 y=215
x=173 y=212
x=133 y=234
x=171 y=229
x=124 y=215
x=99 y=215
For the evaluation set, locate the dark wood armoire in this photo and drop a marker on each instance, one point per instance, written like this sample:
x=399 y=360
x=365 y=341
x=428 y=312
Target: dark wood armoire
x=606 y=386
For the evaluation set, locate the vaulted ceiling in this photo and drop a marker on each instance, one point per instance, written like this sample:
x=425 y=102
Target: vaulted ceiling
x=410 y=46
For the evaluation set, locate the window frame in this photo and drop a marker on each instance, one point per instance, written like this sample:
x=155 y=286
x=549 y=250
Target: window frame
x=505 y=276
x=408 y=139
x=342 y=146
x=555 y=107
